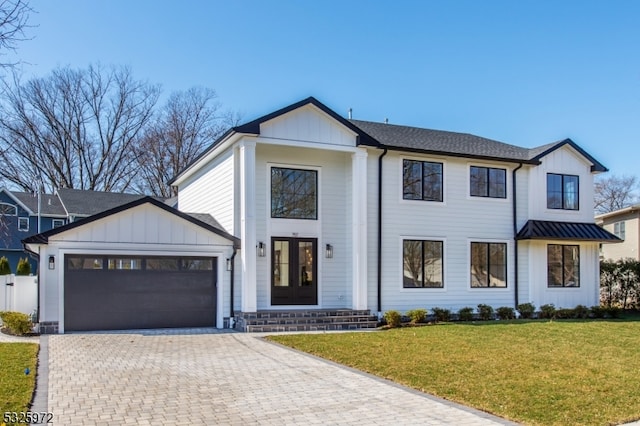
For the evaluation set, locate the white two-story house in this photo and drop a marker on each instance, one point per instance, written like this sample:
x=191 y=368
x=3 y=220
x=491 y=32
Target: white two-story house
x=337 y=213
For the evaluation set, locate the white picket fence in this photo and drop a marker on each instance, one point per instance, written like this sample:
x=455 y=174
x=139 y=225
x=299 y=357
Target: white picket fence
x=18 y=293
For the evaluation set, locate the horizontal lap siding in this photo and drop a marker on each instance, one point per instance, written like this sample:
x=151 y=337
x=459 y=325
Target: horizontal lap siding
x=211 y=190
x=459 y=220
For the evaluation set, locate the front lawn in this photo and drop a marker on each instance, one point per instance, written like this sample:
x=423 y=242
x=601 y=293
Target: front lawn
x=536 y=372
x=16 y=387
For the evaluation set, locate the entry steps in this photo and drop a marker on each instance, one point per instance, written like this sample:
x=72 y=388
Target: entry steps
x=305 y=320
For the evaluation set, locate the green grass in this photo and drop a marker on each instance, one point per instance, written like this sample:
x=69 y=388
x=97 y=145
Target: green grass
x=16 y=388
x=535 y=372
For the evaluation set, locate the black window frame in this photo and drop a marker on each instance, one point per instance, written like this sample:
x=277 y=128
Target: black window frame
x=407 y=195
x=563 y=263
x=488 y=264
x=563 y=194
x=488 y=182
x=422 y=263
x=277 y=215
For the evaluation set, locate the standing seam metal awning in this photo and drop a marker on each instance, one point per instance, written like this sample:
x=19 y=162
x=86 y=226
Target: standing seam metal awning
x=550 y=230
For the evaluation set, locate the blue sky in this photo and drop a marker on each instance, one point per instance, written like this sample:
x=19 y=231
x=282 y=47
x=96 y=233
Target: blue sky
x=522 y=72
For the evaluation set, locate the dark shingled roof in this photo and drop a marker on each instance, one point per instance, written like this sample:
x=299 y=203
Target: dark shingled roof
x=49 y=203
x=549 y=230
x=80 y=202
x=208 y=219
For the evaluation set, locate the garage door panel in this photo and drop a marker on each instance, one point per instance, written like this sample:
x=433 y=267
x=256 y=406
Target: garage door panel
x=110 y=299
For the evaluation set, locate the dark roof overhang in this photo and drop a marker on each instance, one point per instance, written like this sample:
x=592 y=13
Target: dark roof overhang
x=568 y=231
x=596 y=166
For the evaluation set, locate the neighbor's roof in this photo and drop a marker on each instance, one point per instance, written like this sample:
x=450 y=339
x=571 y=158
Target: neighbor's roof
x=79 y=202
x=572 y=231
x=49 y=203
x=412 y=139
x=625 y=210
x=43 y=238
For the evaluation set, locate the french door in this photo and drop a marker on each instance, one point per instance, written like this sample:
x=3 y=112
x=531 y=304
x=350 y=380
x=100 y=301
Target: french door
x=294 y=278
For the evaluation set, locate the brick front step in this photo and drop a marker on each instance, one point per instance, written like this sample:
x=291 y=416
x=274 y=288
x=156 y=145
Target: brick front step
x=304 y=320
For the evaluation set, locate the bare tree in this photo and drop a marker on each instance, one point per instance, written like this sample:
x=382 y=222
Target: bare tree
x=188 y=122
x=615 y=192
x=74 y=129
x=14 y=17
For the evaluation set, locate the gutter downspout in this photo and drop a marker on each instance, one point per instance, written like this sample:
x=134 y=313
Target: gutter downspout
x=515 y=233
x=231 y=284
x=380 y=233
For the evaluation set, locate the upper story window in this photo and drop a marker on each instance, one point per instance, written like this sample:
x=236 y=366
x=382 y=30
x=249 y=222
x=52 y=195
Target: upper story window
x=563 y=265
x=421 y=180
x=294 y=193
x=488 y=264
x=619 y=230
x=8 y=209
x=422 y=264
x=562 y=192
x=56 y=223
x=488 y=182
x=23 y=224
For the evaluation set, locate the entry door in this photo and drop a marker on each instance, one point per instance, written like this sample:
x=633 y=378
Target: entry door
x=294 y=269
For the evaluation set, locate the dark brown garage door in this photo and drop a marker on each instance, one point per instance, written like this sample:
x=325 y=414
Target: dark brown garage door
x=119 y=293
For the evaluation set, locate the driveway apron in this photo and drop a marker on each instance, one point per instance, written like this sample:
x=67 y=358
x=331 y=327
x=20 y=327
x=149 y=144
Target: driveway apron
x=206 y=379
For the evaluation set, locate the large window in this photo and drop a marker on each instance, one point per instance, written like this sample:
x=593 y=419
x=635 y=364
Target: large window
x=488 y=265
x=294 y=193
x=562 y=192
x=488 y=182
x=421 y=180
x=563 y=265
x=619 y=230
x=422 y=264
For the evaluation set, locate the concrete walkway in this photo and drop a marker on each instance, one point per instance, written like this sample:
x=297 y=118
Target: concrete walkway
x=222 y=378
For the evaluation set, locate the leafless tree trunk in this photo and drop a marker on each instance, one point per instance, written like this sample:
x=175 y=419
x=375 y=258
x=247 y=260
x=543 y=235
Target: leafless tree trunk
x=615 y=192
x=74 y=129
x=187 y=124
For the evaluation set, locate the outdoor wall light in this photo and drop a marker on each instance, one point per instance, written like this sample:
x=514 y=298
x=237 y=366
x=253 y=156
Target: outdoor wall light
x=229 y=264
x=52 y=262
x=328 y=253
x=261 y=251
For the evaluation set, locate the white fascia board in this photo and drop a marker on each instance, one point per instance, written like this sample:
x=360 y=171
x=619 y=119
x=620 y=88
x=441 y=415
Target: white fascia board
x=217 y=150
x=302 y=144
x=17 y=201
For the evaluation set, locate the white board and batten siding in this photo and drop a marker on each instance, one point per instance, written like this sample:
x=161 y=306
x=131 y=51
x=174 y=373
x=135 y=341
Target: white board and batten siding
x=211 y=190
x=539 y=293
x=331 y=227
x=457 y=221
x=308 y=124
x=564 y=161
x=144 y=230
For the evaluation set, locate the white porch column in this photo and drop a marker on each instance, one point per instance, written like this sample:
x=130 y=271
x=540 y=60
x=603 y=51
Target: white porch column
x=359 y=228
x=248 y=293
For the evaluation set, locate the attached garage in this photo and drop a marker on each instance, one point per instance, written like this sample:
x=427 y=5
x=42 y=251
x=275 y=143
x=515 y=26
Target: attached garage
x=116 y=293
x=140 y=265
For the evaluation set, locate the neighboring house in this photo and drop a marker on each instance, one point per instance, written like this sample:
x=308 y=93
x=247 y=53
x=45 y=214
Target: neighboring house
x=625 y=224
x=339 y=213
x=304 y=211
x=25 y=214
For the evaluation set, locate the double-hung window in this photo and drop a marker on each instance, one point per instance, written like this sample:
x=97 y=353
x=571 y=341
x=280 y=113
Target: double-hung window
x=563 y=265
x=422 y=264
x=488 y=182
x=488 y=264
x=421 y=180
x=562 y=192
x=619 y=230
x=23 y=224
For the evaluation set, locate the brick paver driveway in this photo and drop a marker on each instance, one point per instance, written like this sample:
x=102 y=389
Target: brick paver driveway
x=207 y=379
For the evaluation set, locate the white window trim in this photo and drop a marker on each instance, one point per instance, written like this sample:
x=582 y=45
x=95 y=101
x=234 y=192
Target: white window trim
x=423 y=290
x=508 y=183
x=20 y=228
x=10 y=205
x=510 y=284
x=401 y=198
x=53 y=223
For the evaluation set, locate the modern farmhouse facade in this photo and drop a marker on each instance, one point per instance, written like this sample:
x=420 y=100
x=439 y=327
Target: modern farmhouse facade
x=338 y=213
